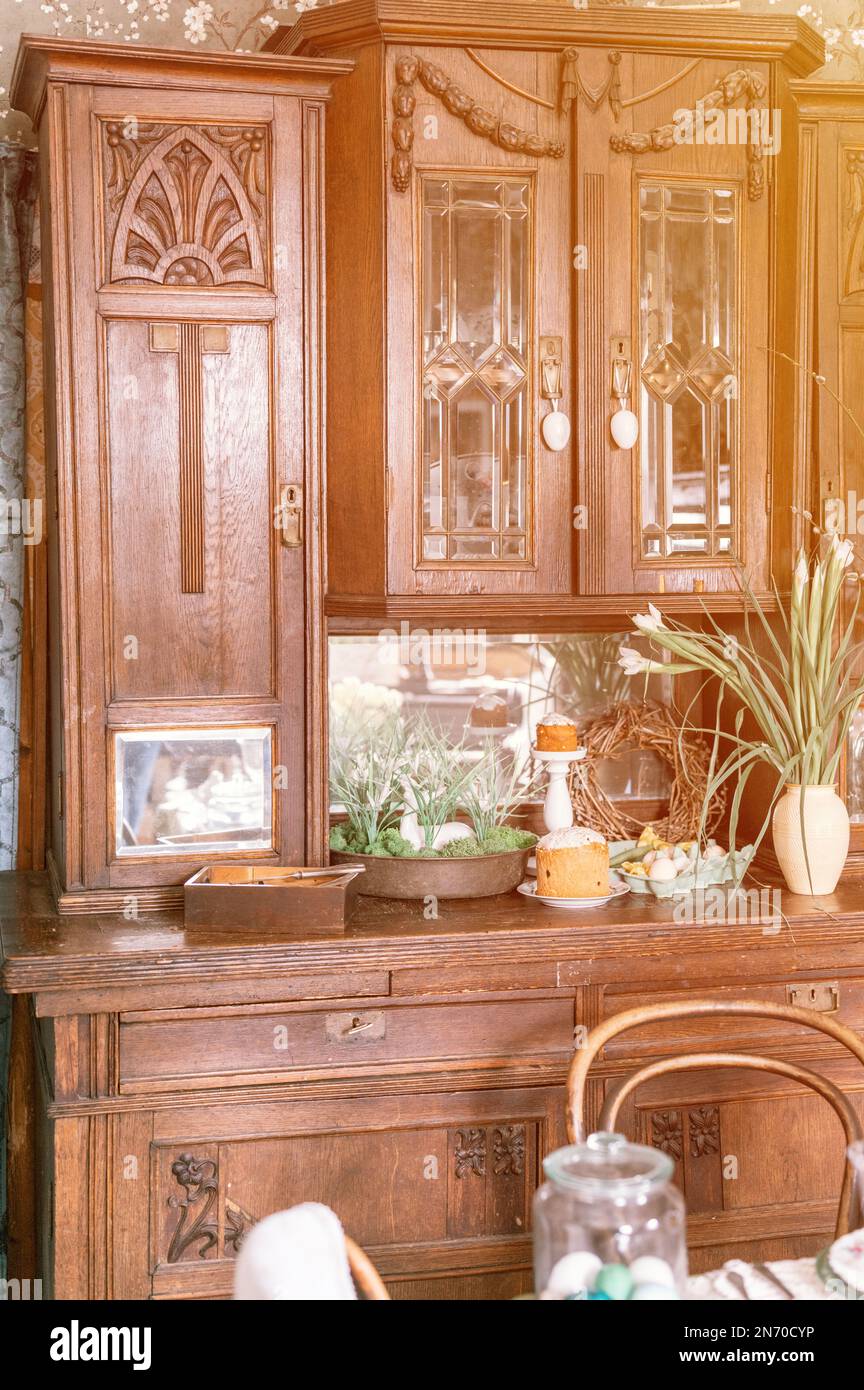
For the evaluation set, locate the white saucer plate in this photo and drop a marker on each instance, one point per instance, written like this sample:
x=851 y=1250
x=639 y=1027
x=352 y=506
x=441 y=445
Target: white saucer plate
x=529 y=890
x=846 y=1258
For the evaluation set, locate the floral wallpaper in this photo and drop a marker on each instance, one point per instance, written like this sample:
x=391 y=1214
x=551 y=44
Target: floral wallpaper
x=245 y=24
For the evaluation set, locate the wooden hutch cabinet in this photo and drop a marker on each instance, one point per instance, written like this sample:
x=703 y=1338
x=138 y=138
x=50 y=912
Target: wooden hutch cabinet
x=508 y=226
x=551 y=204
x=182 y=221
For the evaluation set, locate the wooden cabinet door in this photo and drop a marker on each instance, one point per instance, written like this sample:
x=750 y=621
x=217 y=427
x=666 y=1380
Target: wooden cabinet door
x=478 y=270
x=675 y=226
x=187 y=479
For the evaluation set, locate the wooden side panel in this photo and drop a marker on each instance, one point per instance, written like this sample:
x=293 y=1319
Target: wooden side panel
x=131 y=1134
x=356 y=468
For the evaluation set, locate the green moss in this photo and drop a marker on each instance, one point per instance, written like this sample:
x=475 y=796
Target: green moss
x=507 y=837
x=390 y=844
x=461 y=849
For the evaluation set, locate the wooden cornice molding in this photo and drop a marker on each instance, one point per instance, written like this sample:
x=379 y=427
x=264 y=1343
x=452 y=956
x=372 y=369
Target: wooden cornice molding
x=42 y=59
x=503 y=24
x=828 y=101
x=357 y=613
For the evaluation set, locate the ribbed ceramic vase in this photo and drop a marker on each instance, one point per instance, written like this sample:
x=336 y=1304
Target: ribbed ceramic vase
x=826 y=831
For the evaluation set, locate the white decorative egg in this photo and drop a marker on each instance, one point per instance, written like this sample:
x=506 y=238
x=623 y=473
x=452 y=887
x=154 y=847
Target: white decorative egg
x=574 y=1272
x=713 y=851
x=662 y=871
x=556 y=431
x=650 y=1269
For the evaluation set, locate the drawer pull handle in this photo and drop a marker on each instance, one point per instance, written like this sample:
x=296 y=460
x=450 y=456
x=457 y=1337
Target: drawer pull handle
x=359 y=1028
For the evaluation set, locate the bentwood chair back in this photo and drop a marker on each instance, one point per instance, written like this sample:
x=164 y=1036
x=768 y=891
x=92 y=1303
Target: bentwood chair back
x=696 y=1061
x=366 y=1277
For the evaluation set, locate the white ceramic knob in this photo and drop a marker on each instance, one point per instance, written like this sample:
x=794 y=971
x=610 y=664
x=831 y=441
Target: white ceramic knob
x=556 y=431
x=625 y=428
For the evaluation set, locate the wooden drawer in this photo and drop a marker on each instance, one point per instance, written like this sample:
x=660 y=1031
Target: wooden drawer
x=842 y=999
x=266 y=1044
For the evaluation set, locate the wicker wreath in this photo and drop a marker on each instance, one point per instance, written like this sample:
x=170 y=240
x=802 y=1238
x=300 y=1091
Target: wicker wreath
x=622 y=728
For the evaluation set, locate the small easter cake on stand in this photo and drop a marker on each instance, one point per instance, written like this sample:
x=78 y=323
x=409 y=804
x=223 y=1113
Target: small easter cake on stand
x=573 y=863
x=556 y=733
x=489 y=712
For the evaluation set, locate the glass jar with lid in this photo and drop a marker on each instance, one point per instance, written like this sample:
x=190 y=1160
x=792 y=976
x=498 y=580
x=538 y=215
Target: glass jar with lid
x=609 y=1223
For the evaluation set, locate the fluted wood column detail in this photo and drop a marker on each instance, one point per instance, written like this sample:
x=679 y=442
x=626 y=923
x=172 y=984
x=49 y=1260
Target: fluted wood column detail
x=191 y=341
x=191 y=461
x=596 y=386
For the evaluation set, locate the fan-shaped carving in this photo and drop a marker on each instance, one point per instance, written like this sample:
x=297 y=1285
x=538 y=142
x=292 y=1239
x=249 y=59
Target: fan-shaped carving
x=186 y=206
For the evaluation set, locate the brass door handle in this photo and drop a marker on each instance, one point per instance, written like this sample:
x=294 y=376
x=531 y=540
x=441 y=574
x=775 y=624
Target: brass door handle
x=290 y=514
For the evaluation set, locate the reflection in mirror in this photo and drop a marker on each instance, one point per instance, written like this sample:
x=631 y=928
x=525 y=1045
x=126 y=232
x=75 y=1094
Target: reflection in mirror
x=193 y=791
x=475 y=310
x=473 y=686
x=855 y=768
x=688 y=257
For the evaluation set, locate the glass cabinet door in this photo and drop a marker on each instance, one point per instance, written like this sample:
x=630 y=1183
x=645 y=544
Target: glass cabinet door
x=689 y=368
x=475 y=312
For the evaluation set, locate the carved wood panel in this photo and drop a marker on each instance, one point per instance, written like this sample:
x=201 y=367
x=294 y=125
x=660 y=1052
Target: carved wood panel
x=189 y=479
x=185 y=205
x=690 y=1135
x=408 y=1187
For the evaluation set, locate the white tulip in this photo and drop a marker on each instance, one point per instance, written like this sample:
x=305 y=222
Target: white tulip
x=647 y=622
x=633 y=662
x=842 y=550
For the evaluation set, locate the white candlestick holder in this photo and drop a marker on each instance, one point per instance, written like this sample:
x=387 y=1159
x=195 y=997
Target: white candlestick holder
x=558 y=808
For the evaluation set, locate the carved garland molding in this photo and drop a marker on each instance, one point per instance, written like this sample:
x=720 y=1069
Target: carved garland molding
x=741 y=87
x=478 y=119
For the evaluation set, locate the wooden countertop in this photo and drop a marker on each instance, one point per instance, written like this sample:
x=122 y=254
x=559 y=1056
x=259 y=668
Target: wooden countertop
x=44 y=951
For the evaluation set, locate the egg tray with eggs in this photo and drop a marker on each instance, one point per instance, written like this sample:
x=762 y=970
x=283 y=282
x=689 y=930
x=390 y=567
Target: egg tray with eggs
x=653 y=865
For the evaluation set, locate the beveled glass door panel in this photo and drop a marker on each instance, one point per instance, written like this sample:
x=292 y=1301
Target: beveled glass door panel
x=475 y=307
x=688 y=249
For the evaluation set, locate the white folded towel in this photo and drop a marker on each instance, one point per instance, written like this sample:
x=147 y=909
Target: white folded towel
x=295 y=1254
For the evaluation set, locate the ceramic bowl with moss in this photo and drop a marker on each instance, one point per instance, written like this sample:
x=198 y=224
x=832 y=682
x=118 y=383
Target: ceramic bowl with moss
x=466 y=868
